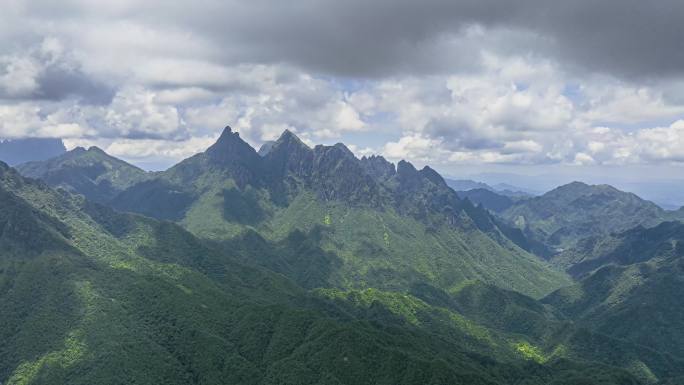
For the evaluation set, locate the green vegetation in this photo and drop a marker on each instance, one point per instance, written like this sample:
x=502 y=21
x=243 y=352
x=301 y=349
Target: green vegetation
x=310 y=266
x=92 y=173
x=379 y=226
x=575 y=211
x=126 y=299
x=489 y=199
x=530 y=352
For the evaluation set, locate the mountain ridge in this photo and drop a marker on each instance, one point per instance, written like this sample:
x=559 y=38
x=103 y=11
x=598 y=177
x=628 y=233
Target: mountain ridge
x=132 y=292
x=226 y=190
x=568 y=213
x=91 y=172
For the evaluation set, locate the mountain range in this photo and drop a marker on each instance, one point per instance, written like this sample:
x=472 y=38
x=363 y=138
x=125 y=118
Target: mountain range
x=465 y=185
x=384 y=226
x=577 y=210
x=299 y=265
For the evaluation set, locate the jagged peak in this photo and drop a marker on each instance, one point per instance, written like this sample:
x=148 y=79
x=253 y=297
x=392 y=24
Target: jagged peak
x=338 y=148
x=378 y=166
x=288 y=135
x=227 y=130
x=375 y=158
x=230 y=148
x=432 y=175
x=379 y=159
x=342 y=147
x=288 y=138
x=405 y=168
x=289 y=153
x=229 y=138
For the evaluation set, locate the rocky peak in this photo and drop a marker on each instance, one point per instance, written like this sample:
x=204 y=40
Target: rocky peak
x=333 y=154
x=338 y=174
x=378 y=167
x=289 y=136
x=289 y=154
x=432 y=175
x=406 y=172
x=230 y=149
x=288 y=141
x=344 y=149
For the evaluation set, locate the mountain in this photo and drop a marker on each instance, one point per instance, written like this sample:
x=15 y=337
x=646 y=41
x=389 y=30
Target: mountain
x=640 y=244
x=467 y=184
x=574 y=211
x=16 y=151
x=513 y=191
x=266 y=147
x=630 y=286
x=487 y=198
x=91 y=295
x=92 y=172
x=499 y=188
x=309 y=265
x=380 y=225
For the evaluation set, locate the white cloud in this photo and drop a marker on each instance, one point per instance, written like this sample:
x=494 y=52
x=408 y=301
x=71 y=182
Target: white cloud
x=616 y=102
x=133 y=112
x=481 y=94
x=18 y=75
x=661 y=143
x=149 y=148
x=583 y=159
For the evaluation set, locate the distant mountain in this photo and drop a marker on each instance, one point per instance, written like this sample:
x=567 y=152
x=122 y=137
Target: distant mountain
x=640 y=244
x=631 y=286
x=266 y=147
x=408 y=225
x=93 y=173
x=500 y=188
x=487 y=198
x=574 y=211
x=16 y=151
x=467 y=184
x=513 y=191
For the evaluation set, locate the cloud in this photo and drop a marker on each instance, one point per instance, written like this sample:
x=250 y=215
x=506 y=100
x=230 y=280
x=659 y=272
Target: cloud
x=46 y=72
x=438 y=81
x=357 y=38
x=661 y=143
x=150 y=148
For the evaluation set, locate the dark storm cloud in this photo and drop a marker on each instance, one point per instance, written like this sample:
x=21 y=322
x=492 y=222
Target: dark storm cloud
x=627 y=38
x=48 y=76
x=58 y=83
x=373 y=38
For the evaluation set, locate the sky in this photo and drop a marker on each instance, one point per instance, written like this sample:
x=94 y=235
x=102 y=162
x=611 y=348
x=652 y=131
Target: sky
x=567 y=89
